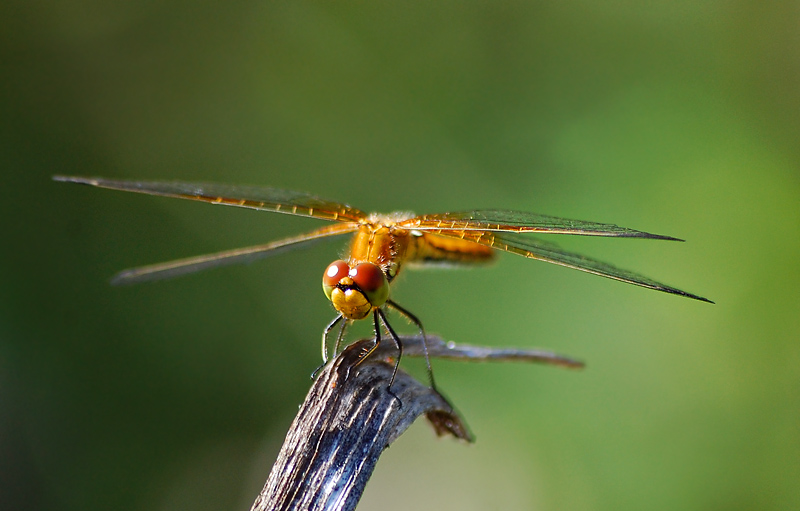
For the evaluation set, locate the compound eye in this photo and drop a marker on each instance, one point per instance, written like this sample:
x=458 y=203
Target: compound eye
x=372 y=281
x=335 y=272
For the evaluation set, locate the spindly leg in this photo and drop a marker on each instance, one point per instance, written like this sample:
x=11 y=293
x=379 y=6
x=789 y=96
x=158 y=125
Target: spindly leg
x=377 y=317
x=397 y=343
x=339 y=337
x=416 y=321
x=367 y=352
x=325 y=337
x=325 y=342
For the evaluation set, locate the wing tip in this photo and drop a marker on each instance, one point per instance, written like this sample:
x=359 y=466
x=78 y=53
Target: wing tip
x=75 y=179
x=650 y=236
x=621 y=232
x=123 y=278
x=570 y=363
x=689 y=295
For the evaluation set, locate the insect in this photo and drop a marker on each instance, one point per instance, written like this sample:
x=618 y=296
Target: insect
x=381 y=245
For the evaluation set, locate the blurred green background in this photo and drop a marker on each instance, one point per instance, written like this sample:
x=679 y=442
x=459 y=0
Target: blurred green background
x=679 y=118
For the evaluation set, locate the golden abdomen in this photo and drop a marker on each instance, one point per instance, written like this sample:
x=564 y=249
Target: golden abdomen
x=435 y=249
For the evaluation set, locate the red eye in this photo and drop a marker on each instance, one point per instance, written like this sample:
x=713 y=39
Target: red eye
x=367 y=276
x=335 y=272
x=372 y=281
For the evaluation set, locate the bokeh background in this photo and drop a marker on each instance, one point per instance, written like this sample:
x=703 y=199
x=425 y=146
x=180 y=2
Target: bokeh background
x=676 y=117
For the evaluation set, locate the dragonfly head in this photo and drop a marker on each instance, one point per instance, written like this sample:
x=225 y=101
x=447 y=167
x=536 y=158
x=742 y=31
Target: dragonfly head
x=355 y=291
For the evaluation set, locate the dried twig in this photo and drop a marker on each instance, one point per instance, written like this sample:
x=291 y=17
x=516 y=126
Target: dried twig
x=349 y=417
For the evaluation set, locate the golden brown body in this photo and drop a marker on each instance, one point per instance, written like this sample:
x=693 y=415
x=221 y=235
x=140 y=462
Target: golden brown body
x=381 y=245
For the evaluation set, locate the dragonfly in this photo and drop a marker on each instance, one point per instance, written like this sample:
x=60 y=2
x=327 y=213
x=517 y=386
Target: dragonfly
x=381 y=246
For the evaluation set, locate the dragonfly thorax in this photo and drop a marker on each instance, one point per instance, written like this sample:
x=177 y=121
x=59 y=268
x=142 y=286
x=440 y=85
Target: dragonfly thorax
x=382 y=244
x=354 y=292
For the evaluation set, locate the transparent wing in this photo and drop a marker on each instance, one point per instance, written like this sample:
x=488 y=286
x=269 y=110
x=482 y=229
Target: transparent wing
x=500 y=220
x=179 y=267
x=535 y=249
x=261 y=198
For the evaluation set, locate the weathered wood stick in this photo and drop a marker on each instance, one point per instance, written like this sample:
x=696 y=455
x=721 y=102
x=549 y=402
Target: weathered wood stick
x=350 y=416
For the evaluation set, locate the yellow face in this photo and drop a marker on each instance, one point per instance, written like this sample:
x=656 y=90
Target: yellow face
x=354 y=292
x=351 y=302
